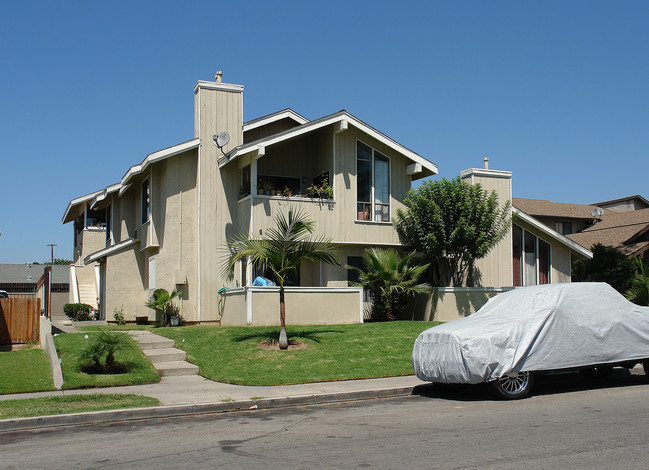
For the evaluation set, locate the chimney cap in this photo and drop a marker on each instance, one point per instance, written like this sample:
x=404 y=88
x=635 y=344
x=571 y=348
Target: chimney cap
x=219 y=76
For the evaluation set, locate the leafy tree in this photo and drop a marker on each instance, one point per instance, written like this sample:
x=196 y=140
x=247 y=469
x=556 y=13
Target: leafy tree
x=452 y=223
x=58 y=261
x=639 y=291
x=390 y=279
x=285 y=248
x=162 y=302
x=608 y=264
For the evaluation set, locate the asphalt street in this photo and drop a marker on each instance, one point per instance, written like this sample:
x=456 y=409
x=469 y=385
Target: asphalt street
x=568 y=423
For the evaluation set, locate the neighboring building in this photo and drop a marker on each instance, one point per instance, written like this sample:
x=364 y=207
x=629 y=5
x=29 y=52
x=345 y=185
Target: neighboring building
x=627 y=231
x=165 y=224
x=564 y=218
x=21 y=280
x=622 y=223
x=629 y=203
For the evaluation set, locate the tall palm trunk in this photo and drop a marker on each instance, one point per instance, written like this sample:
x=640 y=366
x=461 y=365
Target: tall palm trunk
x=283 y=339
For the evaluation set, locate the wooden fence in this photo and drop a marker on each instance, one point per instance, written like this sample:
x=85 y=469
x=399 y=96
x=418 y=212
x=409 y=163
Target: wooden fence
x=19 y=320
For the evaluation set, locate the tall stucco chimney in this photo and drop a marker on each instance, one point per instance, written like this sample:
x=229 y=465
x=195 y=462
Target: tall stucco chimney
x=486 y=163
x=219 y=76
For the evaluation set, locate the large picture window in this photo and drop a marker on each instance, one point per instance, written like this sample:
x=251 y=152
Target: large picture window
x=372 y=184
x=532 y=258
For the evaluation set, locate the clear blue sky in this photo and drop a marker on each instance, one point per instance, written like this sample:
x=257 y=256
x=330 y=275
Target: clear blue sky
x=556 y=92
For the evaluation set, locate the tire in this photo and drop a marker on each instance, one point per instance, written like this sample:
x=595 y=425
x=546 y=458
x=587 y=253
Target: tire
x=597 y=373
x=513 y=386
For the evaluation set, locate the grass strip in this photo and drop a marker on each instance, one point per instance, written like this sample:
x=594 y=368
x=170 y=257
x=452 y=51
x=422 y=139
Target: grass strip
x=335 y=352
x=25 y=370
x=58 y=405
x=70 y=347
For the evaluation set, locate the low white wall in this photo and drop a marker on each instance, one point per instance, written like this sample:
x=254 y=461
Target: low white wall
x=304 y=306
x=48 y=345
x=452 y=303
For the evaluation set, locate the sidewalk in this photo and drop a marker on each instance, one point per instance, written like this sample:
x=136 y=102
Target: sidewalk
x=181 y=396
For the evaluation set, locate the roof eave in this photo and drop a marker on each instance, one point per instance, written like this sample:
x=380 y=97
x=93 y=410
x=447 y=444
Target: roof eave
x=574 y=246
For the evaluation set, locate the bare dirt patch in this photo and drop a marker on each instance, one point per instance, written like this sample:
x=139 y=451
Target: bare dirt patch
x=293 y=345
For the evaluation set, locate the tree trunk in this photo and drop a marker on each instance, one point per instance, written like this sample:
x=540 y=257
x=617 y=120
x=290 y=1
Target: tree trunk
x=283 y=339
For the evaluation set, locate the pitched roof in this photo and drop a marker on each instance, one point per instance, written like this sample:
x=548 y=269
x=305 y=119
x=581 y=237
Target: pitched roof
x=31 y=273
x=545 y=208
x=637 y=197
x=622 y=230
x=341 y=119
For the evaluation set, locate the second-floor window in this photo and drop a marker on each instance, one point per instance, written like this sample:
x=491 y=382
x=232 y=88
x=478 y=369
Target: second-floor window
x=146 y=201
x=372 y=184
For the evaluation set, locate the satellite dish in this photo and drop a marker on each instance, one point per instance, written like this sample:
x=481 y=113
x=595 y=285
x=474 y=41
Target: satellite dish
x=221 y=139
x=597 y=212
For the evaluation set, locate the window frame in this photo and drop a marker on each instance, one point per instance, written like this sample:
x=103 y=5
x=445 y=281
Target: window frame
x=372 y=203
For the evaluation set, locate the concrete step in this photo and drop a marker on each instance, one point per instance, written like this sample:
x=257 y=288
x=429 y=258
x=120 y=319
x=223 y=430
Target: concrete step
x=176 y=368
x=165 y=355
x=152 y=341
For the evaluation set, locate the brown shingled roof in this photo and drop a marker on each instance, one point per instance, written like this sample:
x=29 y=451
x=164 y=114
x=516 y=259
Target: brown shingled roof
x=542 y=207
x=626 y=231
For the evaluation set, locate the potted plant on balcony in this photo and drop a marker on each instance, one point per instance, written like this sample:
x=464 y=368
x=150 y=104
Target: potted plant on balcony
x=323 y=191
x=286 y=192
x=266 y=187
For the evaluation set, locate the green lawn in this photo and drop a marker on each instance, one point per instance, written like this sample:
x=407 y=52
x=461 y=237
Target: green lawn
x=71 y=404
x=25 y=370
x=70 y=347
x=337 y=352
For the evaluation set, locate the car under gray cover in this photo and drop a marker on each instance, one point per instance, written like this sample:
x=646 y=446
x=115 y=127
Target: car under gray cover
x=538 y=328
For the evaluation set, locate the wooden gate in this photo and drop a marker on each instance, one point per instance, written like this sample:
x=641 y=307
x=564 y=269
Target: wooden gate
x=19 y=320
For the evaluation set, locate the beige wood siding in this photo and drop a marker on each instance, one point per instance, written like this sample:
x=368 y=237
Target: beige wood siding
x=218 y=111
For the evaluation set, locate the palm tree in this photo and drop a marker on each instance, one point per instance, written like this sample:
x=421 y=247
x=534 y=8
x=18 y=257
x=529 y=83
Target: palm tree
x=161 y=301
x=639 y=291
x=390 y=279
x=283 y=250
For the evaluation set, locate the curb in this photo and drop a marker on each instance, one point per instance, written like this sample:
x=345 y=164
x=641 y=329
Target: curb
x=132 y=414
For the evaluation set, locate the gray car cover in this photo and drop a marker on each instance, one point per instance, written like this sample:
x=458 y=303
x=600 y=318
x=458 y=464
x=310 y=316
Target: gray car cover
x=538 y=328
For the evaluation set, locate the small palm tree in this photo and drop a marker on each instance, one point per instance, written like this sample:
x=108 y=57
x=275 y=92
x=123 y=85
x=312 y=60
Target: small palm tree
x=390 y=279
x=285 y=248
x=105 y=344
x=162 y=301
x=639 y=291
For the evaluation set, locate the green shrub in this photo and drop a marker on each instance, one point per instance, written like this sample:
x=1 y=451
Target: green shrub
x=118 y=315
x=78 y=312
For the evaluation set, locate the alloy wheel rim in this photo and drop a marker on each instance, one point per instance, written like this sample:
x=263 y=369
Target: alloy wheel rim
x=514 y=383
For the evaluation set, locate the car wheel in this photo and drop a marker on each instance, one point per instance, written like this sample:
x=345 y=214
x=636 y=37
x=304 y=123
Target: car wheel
x=513 y=386
x=600 y=372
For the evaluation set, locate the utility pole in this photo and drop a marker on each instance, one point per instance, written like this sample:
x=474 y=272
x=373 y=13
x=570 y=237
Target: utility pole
x=52 y=245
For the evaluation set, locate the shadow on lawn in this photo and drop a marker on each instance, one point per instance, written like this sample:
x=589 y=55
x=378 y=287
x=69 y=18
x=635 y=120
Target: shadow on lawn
x=271 y=334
